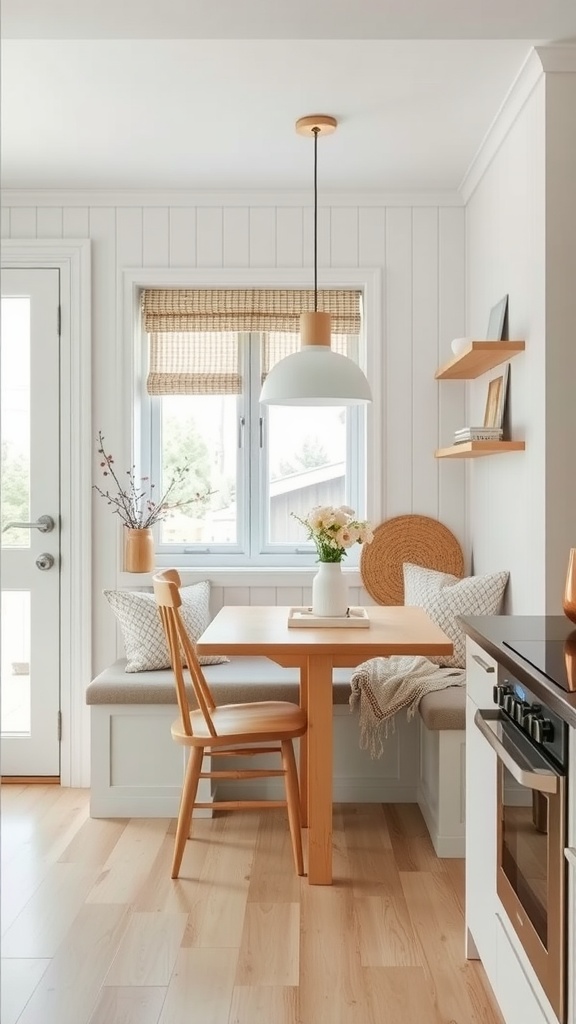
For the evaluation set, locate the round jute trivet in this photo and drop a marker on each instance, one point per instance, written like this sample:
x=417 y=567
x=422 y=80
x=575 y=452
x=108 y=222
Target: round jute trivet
x=417 y=539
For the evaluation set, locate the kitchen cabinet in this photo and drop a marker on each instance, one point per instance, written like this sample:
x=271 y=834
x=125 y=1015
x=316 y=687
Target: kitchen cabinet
x=490 y=934
x=517 y=999
x=571 y=858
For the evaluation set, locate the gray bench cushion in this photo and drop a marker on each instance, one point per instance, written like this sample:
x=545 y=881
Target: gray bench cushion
x=444 y=709
x=239 y=680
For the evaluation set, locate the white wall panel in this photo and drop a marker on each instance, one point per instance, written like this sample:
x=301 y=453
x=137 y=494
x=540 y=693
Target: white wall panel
x=129 y=236
x=263 y=596
x=262 y=230
x=108 y=407
x=451 y=394
x=49 y=222
x=289 y=241
x=209 y=252
x=236 y=236
x=75 y=222
x=424 y=360
x=505 y=254
x=182 y=236
x=560 y=388
x=399 y=369
x=5 y=222
x=23 y=222
x=156 y=237
x=344 y=238
x=371 y=236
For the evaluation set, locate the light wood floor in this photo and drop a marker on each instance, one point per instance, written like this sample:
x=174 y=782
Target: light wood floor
x=95 y=932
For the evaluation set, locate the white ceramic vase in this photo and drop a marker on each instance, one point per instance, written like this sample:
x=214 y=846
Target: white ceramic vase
x=329 y=590
x=459 y=345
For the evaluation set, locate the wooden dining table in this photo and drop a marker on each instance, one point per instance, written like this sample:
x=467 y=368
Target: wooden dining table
x=316 y=651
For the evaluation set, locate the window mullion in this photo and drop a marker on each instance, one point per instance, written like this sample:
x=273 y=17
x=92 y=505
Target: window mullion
x=254 y=435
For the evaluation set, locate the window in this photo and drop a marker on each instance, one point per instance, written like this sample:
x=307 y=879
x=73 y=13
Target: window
x=201 y=406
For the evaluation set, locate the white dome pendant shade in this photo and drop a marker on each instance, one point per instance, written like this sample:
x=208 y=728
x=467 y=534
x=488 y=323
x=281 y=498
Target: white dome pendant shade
x=315 y=375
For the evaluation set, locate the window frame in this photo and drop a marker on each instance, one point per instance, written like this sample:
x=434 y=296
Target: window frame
x=139 y=410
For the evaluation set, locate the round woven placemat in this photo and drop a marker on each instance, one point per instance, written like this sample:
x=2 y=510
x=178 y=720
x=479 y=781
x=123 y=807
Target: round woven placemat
x=416 y=539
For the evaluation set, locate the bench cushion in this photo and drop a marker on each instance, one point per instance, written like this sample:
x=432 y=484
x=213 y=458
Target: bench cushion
x=238 y=680
x=444 y=709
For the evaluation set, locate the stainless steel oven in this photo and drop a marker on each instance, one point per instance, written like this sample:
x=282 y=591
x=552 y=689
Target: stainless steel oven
x=530 y=743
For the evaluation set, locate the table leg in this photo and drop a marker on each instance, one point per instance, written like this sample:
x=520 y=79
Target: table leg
x=319 y=769
x=304 y=749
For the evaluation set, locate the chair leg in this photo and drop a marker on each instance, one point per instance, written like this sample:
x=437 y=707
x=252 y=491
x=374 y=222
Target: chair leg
x=187 y=799
x=293 y=802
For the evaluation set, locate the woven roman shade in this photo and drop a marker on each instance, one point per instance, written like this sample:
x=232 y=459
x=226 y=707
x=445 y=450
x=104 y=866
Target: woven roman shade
x=258 y=309
x=193 y=363
x=194 y=333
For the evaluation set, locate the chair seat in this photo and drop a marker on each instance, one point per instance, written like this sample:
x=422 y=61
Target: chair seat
x=244 y=723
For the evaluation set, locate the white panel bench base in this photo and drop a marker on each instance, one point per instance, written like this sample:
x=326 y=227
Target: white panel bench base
x=138 y=770
x=441 y=788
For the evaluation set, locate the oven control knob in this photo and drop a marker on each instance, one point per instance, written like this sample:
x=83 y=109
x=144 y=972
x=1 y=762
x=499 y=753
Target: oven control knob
x=499 y=693
x=547 y=730
x=509 y=703
x=530 y=723
x=520 y=709
x=541 y=729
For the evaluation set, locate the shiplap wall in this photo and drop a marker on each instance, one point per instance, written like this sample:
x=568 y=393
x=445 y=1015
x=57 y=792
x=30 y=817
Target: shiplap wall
x=420 y=247
x=520 y=231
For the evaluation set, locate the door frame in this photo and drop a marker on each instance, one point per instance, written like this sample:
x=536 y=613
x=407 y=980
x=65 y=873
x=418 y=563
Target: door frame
x=72 y=259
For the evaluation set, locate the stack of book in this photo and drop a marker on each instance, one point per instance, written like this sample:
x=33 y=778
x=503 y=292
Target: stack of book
x=478 y=434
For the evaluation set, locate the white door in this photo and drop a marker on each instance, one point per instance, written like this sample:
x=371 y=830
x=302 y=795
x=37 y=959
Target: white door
x=30 y=434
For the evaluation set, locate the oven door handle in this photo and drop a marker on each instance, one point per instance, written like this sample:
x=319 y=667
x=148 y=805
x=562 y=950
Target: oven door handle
x=544 y=780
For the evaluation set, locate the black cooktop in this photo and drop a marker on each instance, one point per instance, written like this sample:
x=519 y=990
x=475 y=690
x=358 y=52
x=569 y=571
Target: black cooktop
x=556 y=659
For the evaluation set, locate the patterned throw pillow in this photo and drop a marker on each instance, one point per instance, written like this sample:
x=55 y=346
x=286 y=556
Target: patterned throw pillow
x=444 y=597
x=142 y=631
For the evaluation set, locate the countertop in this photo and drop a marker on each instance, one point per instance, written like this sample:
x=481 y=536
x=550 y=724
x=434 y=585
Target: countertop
x=490 y=632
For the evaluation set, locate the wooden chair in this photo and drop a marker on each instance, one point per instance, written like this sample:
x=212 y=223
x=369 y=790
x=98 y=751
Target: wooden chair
x=231 y=730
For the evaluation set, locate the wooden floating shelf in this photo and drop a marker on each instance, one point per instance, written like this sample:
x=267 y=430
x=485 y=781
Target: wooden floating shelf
x=479 y=357
x=475 y=449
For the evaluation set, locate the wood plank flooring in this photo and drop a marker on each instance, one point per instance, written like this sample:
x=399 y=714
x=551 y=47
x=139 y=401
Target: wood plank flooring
x=95 y=932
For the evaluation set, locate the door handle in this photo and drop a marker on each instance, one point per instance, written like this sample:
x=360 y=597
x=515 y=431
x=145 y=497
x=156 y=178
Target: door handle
x=45 y=524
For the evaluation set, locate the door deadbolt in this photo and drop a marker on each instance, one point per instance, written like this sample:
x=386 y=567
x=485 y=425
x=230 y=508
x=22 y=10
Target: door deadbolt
x=45 y=561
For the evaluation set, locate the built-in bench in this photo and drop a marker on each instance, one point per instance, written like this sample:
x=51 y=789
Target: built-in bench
x=137 y=769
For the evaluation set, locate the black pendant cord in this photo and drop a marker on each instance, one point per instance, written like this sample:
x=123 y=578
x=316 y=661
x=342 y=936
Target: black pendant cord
x=315 y=131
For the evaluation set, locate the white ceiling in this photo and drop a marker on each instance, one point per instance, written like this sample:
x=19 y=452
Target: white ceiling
x=203 y=94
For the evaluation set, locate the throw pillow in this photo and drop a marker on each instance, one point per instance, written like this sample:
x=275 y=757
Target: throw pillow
x=142 y=632
x=445 y=596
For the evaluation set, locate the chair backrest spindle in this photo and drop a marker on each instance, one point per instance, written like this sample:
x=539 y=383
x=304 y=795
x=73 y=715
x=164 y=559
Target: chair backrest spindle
x=167 y=594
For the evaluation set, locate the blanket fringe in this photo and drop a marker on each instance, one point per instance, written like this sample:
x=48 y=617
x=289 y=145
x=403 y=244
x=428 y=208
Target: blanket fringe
x=383 y=686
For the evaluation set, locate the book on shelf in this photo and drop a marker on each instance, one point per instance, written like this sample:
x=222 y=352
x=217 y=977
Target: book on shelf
x=478 y=434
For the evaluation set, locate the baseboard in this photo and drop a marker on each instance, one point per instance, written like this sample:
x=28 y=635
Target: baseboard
x=444 y=845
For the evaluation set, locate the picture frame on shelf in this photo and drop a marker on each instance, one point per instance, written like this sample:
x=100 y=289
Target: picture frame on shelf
x=496 y=400
x=497 y=320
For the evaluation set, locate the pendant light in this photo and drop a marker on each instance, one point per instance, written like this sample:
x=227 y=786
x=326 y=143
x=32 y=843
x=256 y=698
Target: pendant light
x=315 y=375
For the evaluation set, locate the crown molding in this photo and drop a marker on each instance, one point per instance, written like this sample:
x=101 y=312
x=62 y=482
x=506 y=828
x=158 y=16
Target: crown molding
x=542 y=60
x=522 y=87
x=242 y=198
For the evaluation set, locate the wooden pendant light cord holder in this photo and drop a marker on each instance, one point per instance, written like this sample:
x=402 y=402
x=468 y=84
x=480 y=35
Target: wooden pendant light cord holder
x=315 y=327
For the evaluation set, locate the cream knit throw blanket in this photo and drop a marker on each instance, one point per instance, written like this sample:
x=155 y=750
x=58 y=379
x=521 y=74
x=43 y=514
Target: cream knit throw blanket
x=382 y=686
